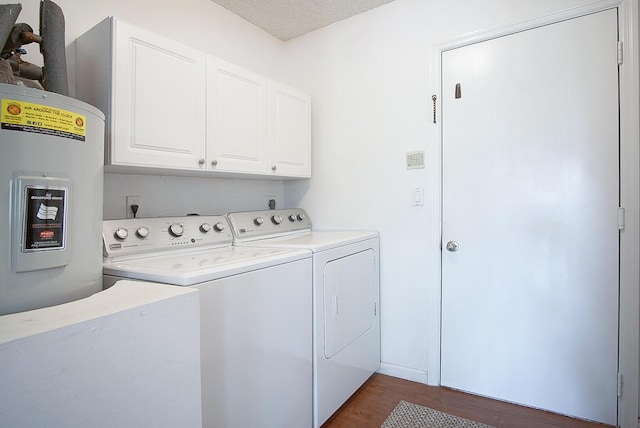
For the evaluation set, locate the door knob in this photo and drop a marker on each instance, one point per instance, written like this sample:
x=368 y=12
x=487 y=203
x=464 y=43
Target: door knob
x=452 y=246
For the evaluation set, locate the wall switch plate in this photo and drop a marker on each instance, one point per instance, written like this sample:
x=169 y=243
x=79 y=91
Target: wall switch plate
x=417 y=197
x=415 y=160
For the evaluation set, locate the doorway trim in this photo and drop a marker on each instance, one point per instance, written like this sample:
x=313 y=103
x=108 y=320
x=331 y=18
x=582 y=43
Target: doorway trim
x=629 y=98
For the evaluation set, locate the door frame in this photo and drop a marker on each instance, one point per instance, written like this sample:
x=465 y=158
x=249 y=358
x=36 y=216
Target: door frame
x=629 y=98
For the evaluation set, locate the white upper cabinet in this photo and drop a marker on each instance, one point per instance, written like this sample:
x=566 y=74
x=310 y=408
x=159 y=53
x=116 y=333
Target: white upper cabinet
x=289 y=127
x=256 y=125
x=173 y=109
x=152 y=91
x=236 y=118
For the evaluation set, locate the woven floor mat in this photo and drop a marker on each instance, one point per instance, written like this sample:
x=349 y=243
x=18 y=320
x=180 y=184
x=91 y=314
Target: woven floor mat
x=409 y=415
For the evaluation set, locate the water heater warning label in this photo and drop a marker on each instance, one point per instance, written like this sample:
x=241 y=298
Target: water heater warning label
x=42 y=119
x=44 y=218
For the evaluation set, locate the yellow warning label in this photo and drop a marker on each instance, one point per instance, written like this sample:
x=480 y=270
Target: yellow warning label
x=42 y=119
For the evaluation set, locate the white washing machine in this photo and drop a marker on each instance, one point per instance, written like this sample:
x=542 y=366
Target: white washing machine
x=255 y=312
x=346 y=294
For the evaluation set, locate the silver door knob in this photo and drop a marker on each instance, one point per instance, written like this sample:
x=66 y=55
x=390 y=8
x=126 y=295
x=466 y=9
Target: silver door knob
x=452 y=246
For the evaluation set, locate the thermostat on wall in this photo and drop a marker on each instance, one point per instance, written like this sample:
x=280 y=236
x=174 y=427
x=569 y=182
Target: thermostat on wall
x=415 y=160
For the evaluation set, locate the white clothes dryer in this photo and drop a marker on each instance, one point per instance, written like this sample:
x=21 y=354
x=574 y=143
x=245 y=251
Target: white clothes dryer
x=255 y=312
x=346 y=295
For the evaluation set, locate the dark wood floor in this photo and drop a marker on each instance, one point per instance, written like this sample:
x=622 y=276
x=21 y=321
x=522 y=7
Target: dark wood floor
x=373 y=402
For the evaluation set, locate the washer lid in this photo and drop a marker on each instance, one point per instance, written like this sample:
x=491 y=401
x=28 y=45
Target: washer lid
x=191 y=268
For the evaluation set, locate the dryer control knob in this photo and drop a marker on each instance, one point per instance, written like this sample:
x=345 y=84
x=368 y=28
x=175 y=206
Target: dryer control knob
x=142 y=232
x=292 y=217
x=276 y=219
x=205 y=227
x=300 y=217
x=219 y=226
x=258 y=221
x=176 y=229
x=121 y=234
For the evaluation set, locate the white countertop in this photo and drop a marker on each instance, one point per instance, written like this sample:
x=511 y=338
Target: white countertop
x=122 y=296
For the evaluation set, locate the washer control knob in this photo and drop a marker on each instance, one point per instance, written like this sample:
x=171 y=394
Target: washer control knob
x=258 y=221
x=276 y=219
x=205 y=228
x=292 y=217
x=219 y=226
x=300 y=216
x=142 y=232
x=176 y=229
x=121 y=234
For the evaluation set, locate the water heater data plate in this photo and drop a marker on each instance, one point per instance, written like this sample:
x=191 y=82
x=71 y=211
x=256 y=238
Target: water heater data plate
x=39 y=226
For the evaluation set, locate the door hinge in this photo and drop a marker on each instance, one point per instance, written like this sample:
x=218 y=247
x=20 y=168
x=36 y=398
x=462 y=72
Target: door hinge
x=620 y=218
x=619 y=384
x=619 y=52
x=375 y=309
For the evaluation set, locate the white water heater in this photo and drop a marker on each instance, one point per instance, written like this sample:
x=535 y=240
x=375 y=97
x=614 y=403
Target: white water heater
x=51 y=175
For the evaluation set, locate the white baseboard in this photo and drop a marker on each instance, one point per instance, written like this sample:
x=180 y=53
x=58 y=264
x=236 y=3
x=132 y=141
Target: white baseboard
x=406 y=373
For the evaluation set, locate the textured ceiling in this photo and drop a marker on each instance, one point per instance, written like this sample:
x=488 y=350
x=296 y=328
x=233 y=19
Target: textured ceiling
x=287 y=19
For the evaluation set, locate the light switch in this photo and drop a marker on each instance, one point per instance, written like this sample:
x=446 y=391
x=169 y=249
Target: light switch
x=417 y=199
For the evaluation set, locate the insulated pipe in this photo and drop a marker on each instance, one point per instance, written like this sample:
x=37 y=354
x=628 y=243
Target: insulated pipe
x=8 y=15
x=52 y=48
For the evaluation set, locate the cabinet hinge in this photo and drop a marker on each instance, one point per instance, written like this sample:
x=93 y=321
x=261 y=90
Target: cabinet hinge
x=375 y=309
x=619 y=52
x=619 y=384
x=620 y=218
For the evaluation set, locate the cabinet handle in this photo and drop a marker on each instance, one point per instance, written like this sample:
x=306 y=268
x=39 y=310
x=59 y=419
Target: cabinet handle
x=201 y=162
x=273 y=168
x=214 y=162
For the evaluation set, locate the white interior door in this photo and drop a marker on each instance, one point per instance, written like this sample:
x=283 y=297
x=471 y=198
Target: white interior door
x=530 y=195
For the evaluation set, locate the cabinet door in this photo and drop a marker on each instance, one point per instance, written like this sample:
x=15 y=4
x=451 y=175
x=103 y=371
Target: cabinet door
x=289 y=131
x=236 y=118
x=158 y=106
